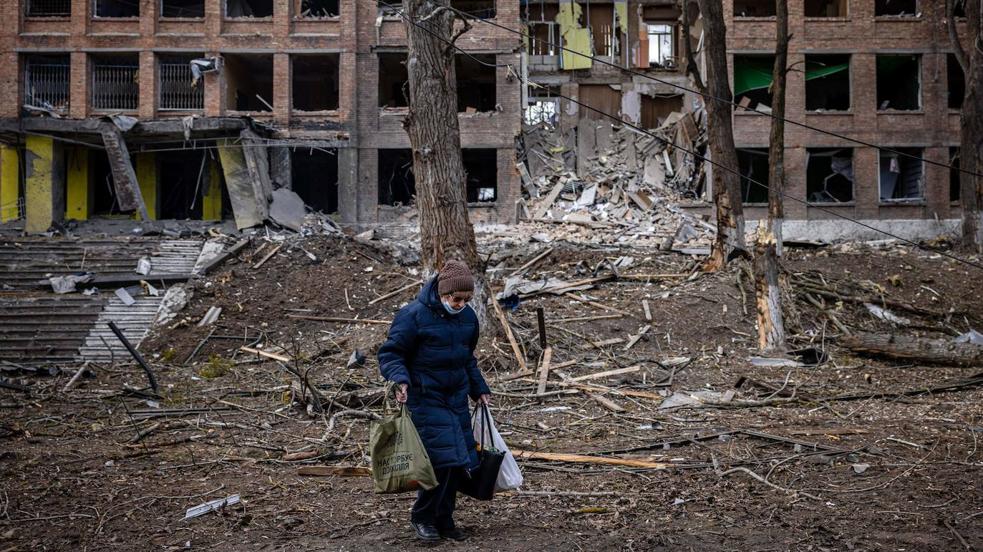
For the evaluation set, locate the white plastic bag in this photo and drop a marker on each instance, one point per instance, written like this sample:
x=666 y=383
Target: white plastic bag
x=509 y=476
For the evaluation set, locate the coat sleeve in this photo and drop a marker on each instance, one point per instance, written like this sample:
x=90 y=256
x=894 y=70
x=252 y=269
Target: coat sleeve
x=398 y=347
x=477 y=385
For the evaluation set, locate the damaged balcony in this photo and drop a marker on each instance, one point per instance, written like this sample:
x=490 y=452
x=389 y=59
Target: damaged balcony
x=177 y=88
x=829 y=175
x=115 y=82
x=248 y=83
x=901 y=178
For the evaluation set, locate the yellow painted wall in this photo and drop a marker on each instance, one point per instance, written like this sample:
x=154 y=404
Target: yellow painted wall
x=575 y=38
x=77 y=184
x=146 y=169
x=9 y=183
x=211 y=200
x=39 y=184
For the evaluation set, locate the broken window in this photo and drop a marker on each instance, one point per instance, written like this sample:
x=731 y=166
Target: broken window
x=825 y=8
x=481 y=174
x=318 y=8
x=827 y=82
x=753 y=164
x=46 y=82
x=48 y=8
x=956 y=81
x=661 y=44
x=116 y=8
x=115 y=82
x=315 y=177
x=544 y=106
x=544 y=31
x=829 y=175
x=249 y=8
x=899 y=82
x=600 y=21
x=249 y=82
x=475 y=82
x=397 y=185
x=754 y=8
x=181 y=179
x=315 y=82
x=752 y=78
x=176 y=91
x=482 y=9
x=393 y=88
x=901 y=176
x=902 y=8
x=954 y=174
x=655 y=109
x=182 y=8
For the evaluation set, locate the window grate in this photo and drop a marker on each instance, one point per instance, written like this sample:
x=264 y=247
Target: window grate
x=115 y=86
x=176 y=92
x=49 y=8
x=46 y=85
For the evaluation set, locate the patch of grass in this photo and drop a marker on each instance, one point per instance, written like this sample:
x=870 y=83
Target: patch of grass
x=216 y=367
x=168 y=354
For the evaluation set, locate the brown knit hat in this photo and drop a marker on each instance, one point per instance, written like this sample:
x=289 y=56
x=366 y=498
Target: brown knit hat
x=454 y=276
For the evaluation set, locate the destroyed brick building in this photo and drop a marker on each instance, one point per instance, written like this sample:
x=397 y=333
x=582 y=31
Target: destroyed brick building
x=217 y=95
x=209 y=105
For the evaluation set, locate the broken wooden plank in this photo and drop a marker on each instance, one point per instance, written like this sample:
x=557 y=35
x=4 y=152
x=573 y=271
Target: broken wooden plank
x=322 y=471
x=128 y=194
x=395 y=292
x=914 y=349
x=635 y=338
x=266 y=354
x=608 y=373
x=584 y=459
x=607 y=403
x=519 y=357
x=224 y=256
x=648 y=312
x=606 y=342
x=268 y=256
x=544 y=370
x=532 y=262
x=544 y=206
x=338 y=320
x=587 y=318
x=602 y=306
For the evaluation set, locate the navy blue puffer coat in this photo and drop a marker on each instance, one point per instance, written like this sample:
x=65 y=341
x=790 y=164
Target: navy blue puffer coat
x=433 y=352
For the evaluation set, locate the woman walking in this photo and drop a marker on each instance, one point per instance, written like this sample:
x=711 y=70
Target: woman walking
x=430 y=356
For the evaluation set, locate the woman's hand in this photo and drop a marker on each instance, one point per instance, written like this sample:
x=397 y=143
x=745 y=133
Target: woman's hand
x=485 y=399
x=401 y=393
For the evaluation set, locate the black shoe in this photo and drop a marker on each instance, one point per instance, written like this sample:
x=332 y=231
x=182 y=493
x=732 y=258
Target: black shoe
x=453 y=534
x=425 y=531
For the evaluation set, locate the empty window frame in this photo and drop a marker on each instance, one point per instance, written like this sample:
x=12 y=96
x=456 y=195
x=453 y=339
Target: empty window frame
x=482 y=9
x=48 y=8
x=827 y=82
x=662 y=44
x=956 y=80
x=896 y=8
x=752 y=80
x=393 y=78
x=318 y=9
x=475 y=82
x=754 y=8
x=116 y=8
x=46 y=82
x=753 y=164
x=544 y=32
x=191 y=9
x=397 y=186
x=314 y=82
x=544 y=106
x=175 y=91
x=600 y=19
x=901 y=177
x=248 y=8
x=955 y=177
x=481 y=174
x=829 y=175
x=899 y=82
x=115 y=82
x=826 y=8
x=315 y=177
x=249 y=82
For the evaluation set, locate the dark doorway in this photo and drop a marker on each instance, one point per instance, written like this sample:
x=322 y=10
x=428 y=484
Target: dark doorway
x=481 y=174
x=180 y=180
x=315 y=177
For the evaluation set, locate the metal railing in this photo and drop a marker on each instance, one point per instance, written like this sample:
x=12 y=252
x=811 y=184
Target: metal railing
x=48 y=8
x=176 y=92
x=115 y=86
x=46 y=85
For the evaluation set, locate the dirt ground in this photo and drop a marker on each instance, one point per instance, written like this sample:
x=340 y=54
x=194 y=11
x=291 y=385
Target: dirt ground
x=830 y=457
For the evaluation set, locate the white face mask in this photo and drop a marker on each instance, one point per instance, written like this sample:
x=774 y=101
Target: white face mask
x=450 y=309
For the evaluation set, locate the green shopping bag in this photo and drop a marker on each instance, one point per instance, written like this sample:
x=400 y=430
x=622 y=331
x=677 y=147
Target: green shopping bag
x=399 y=461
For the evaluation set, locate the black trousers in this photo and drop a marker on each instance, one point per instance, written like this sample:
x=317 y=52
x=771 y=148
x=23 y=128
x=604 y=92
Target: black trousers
x=436 y=506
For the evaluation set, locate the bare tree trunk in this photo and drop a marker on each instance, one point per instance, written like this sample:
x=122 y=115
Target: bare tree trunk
x=445 y=229
x=771 y=326
x=726 y=182
x=971 y=122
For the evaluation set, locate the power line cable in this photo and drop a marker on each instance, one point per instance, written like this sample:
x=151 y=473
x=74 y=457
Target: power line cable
x=714 y=163
x=706 y=95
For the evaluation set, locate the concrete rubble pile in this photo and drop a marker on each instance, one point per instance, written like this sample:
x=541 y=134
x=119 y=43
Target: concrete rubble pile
x=618 y=184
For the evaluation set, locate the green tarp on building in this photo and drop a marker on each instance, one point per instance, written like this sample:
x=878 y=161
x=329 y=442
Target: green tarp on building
x=755 y=73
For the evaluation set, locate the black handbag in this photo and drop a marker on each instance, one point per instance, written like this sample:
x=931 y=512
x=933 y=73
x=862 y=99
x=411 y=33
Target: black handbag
x=479 y=483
